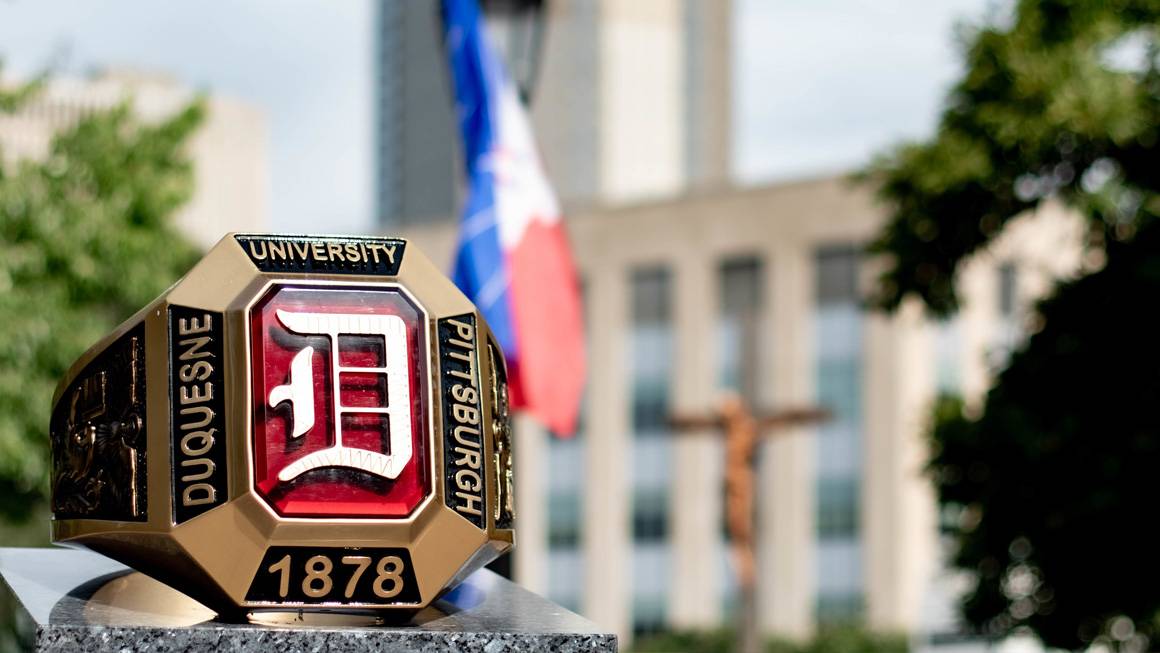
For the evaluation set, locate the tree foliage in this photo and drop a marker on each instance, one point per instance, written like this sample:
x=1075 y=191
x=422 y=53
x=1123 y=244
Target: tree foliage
x=1043 y=110
x=85 y=241
x=1057 y=476
x=1051 y=481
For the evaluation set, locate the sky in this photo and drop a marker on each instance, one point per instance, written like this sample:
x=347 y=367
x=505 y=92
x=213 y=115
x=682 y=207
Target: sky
x=823 y=85
x=306 y=64
x=819 y=85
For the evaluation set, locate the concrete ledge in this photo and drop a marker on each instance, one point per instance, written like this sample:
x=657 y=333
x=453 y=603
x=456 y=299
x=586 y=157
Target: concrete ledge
x=80 y=601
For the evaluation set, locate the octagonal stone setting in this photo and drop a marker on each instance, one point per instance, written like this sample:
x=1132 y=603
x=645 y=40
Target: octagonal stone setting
x=340 y=424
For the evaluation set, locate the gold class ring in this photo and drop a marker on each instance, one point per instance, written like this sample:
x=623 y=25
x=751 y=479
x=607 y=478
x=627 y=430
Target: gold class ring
x=301 y=422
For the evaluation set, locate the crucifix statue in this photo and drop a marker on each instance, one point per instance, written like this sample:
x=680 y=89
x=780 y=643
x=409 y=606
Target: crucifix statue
x=743 y=432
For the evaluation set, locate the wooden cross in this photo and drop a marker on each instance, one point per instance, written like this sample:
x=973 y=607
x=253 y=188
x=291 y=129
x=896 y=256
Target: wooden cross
x=743 y=432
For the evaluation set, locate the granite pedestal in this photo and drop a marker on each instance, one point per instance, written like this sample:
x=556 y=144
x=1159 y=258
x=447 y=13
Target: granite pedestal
x=70 y=600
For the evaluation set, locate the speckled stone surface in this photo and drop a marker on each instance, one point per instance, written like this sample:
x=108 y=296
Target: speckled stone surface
x=81 y=601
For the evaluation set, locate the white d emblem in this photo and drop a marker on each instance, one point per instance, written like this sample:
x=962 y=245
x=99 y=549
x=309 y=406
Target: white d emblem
x=299 y=392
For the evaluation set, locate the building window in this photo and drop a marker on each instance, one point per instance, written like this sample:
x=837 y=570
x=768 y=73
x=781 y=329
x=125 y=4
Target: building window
x=1007 y=339
x=652 y=337
x=739 y=329
x=948 y=346
x=648 y=615
x=564 y=514
x=840 y=518
x=1008 y=290
x=839 y=367
x=650 y=514
x=566 y=482
x=566 y=520
x=840 y=608
x=740 y=334
x=651 y=347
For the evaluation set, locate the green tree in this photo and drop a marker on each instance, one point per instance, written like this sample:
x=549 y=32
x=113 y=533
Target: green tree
x=1051 y=481
x=85 y=240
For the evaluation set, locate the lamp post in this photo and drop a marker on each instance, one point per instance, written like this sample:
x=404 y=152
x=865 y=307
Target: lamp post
x=517 y=31
x=517 y=27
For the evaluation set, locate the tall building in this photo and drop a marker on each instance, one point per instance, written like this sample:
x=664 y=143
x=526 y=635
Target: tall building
x=228 y=151
x=415 y=167
x=631 y=103
x=693 y=287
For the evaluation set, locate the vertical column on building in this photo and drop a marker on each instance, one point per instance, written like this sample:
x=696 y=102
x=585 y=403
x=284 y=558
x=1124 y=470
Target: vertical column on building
x=530 y=567
x=786 y=505
x=696 y=491
x=899 y=529
x=708 y=46
x=606 y=535
x=642 y=99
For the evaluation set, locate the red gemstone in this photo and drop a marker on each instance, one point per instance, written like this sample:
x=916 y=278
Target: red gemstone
x=339 y=418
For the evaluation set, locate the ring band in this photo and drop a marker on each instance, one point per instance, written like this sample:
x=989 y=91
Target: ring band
x=299 y=422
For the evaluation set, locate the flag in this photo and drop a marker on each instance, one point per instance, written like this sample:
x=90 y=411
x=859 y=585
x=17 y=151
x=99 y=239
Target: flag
x=514 y=260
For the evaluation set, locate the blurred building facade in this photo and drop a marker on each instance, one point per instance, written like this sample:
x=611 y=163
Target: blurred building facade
x=228 y=151
x=759 y=291
x=693 y=286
